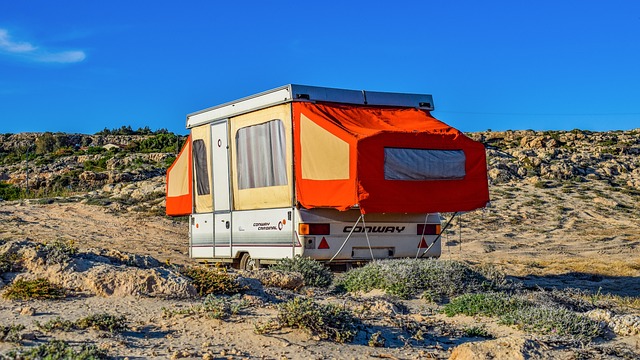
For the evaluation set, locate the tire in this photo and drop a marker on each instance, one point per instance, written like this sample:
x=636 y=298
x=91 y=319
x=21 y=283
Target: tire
x=248 y=263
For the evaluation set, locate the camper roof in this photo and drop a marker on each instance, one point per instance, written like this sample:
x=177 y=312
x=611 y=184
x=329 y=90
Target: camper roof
x=294 y=92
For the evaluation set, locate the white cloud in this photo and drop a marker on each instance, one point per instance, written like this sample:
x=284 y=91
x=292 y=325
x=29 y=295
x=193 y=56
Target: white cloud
x=63 y=57
x=30 y=52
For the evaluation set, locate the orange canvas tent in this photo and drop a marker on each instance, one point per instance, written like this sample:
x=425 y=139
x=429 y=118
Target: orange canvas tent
x=384 y=160
x=179 y=196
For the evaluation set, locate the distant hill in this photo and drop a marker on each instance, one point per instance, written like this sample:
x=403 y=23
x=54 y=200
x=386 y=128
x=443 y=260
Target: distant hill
x=62 y=164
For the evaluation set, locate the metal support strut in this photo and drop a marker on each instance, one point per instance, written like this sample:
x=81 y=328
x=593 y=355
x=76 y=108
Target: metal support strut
x=348 y=236
x=440 y=235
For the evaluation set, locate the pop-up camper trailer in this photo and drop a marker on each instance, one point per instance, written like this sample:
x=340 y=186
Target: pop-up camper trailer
x=335 y=175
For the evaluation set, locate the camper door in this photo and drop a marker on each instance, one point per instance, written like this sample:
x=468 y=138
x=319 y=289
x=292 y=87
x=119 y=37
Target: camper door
x=221 y=197
x=211 y=222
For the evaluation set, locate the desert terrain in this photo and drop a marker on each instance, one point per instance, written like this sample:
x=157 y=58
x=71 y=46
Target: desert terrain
x=563 y=229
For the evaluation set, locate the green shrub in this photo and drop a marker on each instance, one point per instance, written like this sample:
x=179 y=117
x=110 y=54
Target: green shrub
x=33 y=289
x=212 y=281
x=96 y=165
x=408 y=277
x=487 y=304
x=328 y=322
x=59 y=252
x=9 y=262
x=376 y=340
x=158 y=143
x=103 y=321
x=552 y=321
x=528 y=316
x=11 y=333
x=213 y=306
x=57 y=324
x=313 y=272
x=57 y=349
x=222 y=307
x=477 y=331
x=10 y=192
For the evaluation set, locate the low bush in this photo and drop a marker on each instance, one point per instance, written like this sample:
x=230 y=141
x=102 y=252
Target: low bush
x=10 y=192
x=553 y=321
x=477 y=331
x=9 y=262
x=103 y=321
x=57 y=349
x=59 y=252
x=486 y=304
x=213 y=306
x=33 y=289
x=212 y=280
x=313 y=272
x=11 y=333
x=327 y=322
x=408 y=277
x=526 y=315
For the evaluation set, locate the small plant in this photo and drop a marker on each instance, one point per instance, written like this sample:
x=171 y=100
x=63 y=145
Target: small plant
x=212 y=281
x=553 y=321
x=213 y=306
x=9 y=262
x=11 y=333
x=376 y=340
x=328 y=322
x=218 y=307
x=104 y=322
x=33 y=289
x=57 y=349
x=528 y=316
x=10 y=192
x=408 y=277
x=487 y=304
x=57 y=324
x=59 y=252
x=477 y=331
x=313 y=272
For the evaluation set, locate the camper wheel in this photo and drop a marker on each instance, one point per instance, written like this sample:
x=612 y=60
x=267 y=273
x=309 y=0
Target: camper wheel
x=248 y=263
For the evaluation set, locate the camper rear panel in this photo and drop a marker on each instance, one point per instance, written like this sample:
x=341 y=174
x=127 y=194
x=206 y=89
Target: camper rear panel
x=380 y=236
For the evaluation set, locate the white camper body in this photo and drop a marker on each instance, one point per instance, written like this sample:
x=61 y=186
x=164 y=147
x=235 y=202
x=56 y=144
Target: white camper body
x=253 y=223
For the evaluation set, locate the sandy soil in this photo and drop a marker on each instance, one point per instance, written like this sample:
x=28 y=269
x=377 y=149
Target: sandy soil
x=582 y=236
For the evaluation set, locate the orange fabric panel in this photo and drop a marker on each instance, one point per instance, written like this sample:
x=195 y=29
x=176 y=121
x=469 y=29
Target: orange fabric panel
x=363 y=121
x=180 y=204
x=380 y=195
x=339 y=194
x=368 y=130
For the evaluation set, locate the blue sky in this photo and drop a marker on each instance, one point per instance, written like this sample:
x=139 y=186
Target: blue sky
x=81 y=66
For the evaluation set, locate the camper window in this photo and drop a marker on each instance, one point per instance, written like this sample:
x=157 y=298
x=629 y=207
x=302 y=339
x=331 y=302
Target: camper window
x=200 y=164
x=423 y=164
x=261 y=159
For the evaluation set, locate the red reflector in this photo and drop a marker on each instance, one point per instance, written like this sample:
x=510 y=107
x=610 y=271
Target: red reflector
x=428 y=229
x=319 y=229
x=423 y=244
x=323 y=244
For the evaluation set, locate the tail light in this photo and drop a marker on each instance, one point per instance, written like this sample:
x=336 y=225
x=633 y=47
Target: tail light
x=314 y=229
x=428 y=229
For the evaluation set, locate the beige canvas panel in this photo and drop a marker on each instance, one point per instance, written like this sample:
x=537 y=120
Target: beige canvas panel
x=324 y=155
x=204 y=203
x=178 y=183
x=266 y=197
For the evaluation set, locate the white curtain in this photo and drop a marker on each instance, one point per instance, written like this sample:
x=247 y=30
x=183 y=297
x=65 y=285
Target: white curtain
x=261 y=155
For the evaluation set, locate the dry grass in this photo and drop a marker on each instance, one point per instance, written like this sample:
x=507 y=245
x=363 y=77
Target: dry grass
x=605 y=267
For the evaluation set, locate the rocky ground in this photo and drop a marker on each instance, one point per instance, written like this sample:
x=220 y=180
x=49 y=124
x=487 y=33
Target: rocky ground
x=564 y=223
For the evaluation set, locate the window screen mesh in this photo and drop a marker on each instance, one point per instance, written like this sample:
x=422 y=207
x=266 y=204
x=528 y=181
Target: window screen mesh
x=423 y=164
x=200 y=164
